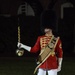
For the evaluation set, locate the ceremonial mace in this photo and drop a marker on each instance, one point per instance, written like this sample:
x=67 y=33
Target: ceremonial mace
x=19 y=51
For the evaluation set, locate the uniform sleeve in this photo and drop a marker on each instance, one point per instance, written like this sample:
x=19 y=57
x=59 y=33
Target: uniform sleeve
x=59 y=50
x=36 y=47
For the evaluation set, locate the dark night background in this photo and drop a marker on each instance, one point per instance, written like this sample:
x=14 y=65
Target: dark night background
x=11 y=11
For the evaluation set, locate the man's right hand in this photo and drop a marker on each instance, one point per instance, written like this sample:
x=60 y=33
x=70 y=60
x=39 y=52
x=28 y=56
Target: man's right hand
x=19 y=45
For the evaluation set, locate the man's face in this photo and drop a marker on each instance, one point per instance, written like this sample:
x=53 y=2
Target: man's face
x=46 y=30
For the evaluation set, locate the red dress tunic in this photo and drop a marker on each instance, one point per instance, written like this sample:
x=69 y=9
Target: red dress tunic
x=51 y=62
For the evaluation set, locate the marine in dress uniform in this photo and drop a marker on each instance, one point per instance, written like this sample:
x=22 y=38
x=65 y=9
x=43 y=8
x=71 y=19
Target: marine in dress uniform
x=53 y=63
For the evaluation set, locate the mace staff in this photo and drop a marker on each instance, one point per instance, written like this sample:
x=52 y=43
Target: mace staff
x=19 y=38
x=19 y=51
x=19 y=32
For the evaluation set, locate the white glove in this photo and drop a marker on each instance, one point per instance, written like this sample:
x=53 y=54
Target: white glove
x=59 y=64
x=59 y=68
x=20 y=45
